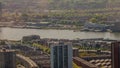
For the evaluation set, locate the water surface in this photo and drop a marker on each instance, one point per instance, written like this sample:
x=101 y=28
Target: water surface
x=17 y=34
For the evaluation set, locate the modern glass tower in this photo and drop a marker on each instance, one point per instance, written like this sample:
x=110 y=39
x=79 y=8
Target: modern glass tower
x=7 y=59
x=61 y=55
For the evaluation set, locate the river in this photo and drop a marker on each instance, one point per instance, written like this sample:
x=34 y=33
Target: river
x=17 y=34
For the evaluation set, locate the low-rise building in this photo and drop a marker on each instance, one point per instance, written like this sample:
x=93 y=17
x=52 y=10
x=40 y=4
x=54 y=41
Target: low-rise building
x=30 y=38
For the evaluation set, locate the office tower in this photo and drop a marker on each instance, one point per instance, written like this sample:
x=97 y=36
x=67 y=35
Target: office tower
x=116 y=55
x=61 y=55
x=7 y=59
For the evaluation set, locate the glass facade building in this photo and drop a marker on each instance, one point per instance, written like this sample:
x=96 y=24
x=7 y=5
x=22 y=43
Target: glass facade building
x=61 y=56
x=7 y=59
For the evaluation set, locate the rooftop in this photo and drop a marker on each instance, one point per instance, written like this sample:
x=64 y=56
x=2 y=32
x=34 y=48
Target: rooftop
x=105 y=63
x=6 y=50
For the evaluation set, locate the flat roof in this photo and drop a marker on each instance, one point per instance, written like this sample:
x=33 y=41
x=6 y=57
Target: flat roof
x=6 y=50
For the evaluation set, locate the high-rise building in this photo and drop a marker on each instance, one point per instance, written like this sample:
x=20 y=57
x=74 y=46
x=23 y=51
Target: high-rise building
x=7 y=59
x=61 y=55
x=116 y=55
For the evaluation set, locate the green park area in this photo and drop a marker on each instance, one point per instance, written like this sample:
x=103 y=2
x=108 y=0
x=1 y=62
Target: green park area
x=42 y=47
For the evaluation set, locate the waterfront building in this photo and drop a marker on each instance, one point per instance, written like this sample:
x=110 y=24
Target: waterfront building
x=61 y=55
x=7 y=59
x=30 y=38
x=94 y=27
x=116 y=27
x=116 y=55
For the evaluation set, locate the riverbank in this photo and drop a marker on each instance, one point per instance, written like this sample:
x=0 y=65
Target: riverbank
x=77 y=29
x=32 y=27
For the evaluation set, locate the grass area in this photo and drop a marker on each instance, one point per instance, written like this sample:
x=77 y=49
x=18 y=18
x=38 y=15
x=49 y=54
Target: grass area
x=87 y=54
x=42 y=47
x=90 y=48
x=75 y=65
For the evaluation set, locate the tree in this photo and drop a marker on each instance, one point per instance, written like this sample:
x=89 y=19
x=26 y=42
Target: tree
x=24 y=17
x=93 y=20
